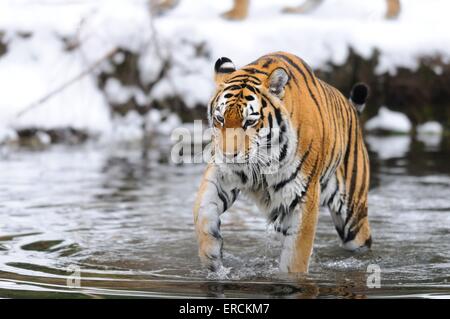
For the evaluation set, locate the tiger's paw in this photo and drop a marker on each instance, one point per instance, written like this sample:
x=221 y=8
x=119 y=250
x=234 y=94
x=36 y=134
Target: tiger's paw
x=358 y=245
x=294 y=10
x=162 y=7
x=234 y=15
x=392 y=15
x=211 y=262
x=393 y=9
x=210 y=254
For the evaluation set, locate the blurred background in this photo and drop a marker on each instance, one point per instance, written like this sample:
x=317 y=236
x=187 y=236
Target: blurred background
x=90 y=91
x=79 y=69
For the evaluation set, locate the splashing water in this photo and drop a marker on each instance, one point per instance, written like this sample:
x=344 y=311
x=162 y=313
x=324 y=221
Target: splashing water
x=91 y=222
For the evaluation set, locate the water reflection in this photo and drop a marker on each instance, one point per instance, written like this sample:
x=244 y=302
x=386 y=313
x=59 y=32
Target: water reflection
x=123 y=214
x=389 y=147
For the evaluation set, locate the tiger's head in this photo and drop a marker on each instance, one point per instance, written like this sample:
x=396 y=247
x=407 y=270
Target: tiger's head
x=246 y=113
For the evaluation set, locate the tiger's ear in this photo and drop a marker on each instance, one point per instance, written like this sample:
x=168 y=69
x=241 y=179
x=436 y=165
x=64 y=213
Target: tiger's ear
x=277 y=81
x=223 y=68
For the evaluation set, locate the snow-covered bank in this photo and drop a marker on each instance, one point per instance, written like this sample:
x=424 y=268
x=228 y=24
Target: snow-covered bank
x=49 y=43
x=430 y=128
x=389 y=121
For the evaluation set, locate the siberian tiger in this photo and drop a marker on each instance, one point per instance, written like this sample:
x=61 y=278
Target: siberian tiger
x=290 y=142
x=239 y=11
x=240 y=8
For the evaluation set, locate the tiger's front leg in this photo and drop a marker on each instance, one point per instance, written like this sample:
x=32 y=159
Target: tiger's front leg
x=213 y=198
x=298 y=243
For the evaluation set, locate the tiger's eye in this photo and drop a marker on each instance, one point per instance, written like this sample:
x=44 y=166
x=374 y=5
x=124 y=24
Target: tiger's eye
x=249 y=123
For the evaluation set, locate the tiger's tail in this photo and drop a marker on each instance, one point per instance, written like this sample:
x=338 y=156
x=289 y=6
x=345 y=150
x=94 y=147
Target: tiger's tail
x=359 y=95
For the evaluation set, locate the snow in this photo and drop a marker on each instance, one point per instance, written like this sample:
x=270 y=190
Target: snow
x=430 y=134
x=127 y=128
x=192 y=36
x=7 y=134
x=391 y=121
x=320 y=36
x=387 y=147
x=432 y=142
x=117 y=93
x=34 y=66
x=431 y=128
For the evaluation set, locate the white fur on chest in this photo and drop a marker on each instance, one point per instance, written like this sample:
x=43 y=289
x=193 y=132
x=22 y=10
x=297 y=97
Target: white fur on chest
x=264 y=189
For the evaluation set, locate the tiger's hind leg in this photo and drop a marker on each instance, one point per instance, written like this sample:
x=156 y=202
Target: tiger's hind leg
x=393 y=9
x=298 y=239
x=159 y=7
x=349 y=214
x=239 y=10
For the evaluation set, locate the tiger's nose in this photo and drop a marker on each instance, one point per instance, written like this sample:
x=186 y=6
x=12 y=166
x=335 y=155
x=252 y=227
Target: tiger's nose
x=230 y=155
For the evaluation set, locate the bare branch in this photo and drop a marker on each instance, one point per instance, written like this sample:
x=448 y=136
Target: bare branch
x=67 y=84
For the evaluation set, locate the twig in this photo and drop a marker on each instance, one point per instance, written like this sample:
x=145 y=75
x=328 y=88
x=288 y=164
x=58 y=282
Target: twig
x=65 y=85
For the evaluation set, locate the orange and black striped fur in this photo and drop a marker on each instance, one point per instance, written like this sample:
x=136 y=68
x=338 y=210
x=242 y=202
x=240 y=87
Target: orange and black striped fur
x=292 y=143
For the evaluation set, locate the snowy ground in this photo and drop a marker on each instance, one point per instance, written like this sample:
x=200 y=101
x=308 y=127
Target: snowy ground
x=35 y=65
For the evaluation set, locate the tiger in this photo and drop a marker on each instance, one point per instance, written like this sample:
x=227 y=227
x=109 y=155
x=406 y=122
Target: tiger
x=240 y=8
x=317 y=157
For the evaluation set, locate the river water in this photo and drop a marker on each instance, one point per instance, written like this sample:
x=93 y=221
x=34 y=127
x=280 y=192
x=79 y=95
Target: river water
x=97 y=221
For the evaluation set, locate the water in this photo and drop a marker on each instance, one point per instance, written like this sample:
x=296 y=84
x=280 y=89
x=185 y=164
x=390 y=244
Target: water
x=121 y=219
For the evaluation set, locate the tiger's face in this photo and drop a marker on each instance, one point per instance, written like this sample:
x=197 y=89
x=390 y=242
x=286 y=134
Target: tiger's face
x=240 y=114
x=236 y=119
